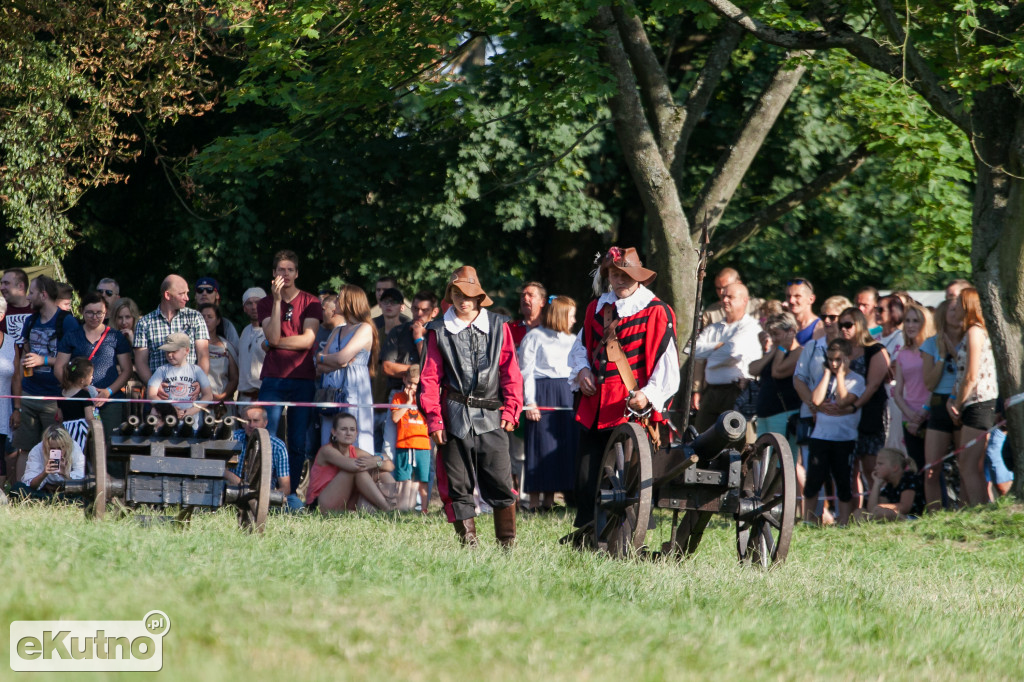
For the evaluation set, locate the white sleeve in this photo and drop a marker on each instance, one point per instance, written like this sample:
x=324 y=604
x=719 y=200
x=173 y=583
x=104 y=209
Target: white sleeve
x=704 y=345
x=664 y=380
x=34 y=464
x=77 y=461
x=527 y=359
x=577 y=360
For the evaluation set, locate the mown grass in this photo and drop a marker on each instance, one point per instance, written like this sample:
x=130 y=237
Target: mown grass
x=382 y=597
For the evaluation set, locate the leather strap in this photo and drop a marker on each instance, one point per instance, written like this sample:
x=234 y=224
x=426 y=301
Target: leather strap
x=614 y=350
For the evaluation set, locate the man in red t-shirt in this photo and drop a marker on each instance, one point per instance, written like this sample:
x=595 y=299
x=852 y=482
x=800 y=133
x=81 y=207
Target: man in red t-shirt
x=532 y=300
x=290 y=319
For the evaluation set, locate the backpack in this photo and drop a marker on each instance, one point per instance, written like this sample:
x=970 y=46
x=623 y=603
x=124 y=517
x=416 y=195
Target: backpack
x=26 y=332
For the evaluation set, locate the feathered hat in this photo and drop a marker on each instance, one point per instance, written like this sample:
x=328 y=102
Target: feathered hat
x=625 y=260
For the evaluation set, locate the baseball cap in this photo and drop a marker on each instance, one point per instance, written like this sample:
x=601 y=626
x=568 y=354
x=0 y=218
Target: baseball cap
x=208 y=281
x=253 y=292
x=176 y=341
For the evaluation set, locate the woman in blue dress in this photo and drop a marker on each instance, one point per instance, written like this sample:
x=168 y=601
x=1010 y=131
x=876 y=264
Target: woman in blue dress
x=348 y=360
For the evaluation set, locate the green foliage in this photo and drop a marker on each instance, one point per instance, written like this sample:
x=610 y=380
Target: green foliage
x=391 y=151
x=81 y=85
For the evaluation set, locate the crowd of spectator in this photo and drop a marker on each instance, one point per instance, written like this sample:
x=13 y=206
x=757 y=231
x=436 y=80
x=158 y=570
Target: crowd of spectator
x=883 y=375
x=872 y=394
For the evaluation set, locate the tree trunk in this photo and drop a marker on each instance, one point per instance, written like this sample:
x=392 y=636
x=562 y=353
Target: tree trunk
x=666 y=219
x=997 y=253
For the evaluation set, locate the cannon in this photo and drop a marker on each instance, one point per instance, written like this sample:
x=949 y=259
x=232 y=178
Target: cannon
x=163 y=462
x=709 y=473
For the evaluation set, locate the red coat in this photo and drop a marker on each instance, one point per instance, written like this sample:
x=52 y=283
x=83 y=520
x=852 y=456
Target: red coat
x=644 y=337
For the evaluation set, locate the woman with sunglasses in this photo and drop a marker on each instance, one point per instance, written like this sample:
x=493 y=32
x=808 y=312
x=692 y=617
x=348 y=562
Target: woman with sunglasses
x=973 y=400
x=869 y=359
x=911 y=395
x=810 y=367
x=938 y=365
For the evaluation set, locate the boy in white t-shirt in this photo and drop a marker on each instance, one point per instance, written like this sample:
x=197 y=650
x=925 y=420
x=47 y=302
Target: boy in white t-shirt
x=835 y=429
x=183 y=382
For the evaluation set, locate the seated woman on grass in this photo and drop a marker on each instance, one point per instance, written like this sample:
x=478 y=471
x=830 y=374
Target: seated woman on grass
x=345 y=478
x=896 y=491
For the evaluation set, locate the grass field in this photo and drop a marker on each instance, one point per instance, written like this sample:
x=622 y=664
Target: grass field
x=394 y=598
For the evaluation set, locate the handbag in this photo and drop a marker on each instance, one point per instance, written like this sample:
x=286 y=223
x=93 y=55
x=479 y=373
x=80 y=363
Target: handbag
x=330 y=395
x=746 y=403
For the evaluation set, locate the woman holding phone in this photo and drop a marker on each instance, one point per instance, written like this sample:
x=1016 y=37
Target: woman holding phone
x=53 y=461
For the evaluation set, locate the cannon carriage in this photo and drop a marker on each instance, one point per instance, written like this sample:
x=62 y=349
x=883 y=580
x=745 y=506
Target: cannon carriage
x=707 y=474
x=162 y=462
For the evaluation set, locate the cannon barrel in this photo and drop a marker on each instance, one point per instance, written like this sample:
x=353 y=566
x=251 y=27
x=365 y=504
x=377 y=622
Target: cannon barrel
x=129 y=427
x=187 y=425
x=224 y=429
x=206 y=426
x=729 y=431
x=150 y=426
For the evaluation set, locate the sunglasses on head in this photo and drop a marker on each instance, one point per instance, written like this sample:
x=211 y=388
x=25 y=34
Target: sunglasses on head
x=847 y=324
x=799 y=280
x=106 y=292
x=205 y=290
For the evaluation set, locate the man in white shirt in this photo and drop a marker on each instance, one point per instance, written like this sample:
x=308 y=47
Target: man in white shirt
x=727 y=348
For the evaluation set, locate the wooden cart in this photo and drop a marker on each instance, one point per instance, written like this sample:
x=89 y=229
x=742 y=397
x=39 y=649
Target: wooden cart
x=163 y=463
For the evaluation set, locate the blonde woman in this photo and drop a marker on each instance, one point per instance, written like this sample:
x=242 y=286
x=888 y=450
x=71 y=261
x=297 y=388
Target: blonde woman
x=349 y=360
x=910 y=393
x=551 y=436
x=55 y=459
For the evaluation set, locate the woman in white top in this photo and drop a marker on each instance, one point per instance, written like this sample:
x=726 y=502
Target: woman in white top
x=551 y=435
x=9 y=359
x=53 y=461
x=973 y=401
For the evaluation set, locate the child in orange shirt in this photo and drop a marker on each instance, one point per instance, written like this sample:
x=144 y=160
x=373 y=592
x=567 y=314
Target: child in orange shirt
x=412 y=446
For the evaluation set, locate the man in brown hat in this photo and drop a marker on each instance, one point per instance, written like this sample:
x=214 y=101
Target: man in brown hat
x=644 y=356
x=471 y=392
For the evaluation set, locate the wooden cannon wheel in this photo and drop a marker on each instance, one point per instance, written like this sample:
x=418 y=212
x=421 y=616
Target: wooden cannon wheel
x=764 y=522
x=254 y=505
x=622 y=509
x=98 y=457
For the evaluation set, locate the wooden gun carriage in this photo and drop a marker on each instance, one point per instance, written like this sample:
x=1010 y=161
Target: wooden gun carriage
x=162 y=462
x=710 y=473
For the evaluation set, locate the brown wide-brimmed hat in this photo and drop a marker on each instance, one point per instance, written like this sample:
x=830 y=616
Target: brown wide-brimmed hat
x=628 y=261
x=466 y=280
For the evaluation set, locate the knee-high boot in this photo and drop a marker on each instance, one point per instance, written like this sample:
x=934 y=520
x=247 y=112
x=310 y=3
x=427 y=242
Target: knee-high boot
x=505 y=525
x=467 y=532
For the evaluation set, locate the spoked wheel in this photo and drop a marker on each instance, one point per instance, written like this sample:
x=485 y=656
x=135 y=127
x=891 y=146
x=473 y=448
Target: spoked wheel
x=98 y=454
x=255 y=503
x=764 y=522
x=622 y=510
